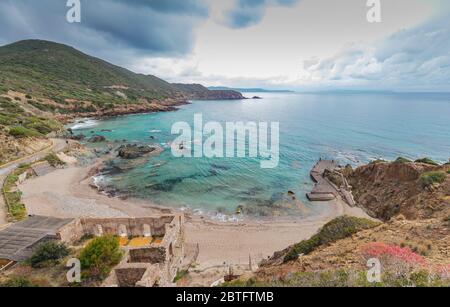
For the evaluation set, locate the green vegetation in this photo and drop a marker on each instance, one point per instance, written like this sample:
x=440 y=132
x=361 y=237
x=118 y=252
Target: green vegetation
x=180 y=275
x=343 y=278
x=21 y=124
x=22 y=132
x=378 y=161
x=100 y=256
x=430 y=178
x=337 y=229
x=17 y=282
x=16 y=208
x=427 y=161
x=54 y=160
x=48 y=253
x=402 y=160
x=49 y=70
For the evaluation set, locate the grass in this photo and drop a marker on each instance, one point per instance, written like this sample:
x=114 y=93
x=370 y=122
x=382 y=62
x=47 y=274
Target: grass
x=427 y=161
x=54 y=160
x=347 y=278
x=13 y=199
x=20 y=124
x=21 y=132
x=429 y=178
x=180 y=275
x=402 y=160
x=17 y=282
x=337 y=229
x=378 y=161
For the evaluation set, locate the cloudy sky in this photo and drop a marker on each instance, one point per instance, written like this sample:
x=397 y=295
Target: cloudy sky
x=294 y=44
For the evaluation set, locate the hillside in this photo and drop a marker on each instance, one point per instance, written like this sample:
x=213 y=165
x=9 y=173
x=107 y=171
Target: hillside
x=43 y=83
x=413 y=200
x=78 y=83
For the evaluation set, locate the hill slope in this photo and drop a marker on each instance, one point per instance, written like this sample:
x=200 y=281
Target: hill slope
x=42 y=81
x=413 y=243
x=80 y=83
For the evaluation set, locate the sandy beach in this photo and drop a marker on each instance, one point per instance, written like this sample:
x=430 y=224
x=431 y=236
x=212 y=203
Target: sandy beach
x=68 y=193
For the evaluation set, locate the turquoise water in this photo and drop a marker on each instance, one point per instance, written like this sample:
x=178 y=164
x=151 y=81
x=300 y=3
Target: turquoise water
x=350 y=128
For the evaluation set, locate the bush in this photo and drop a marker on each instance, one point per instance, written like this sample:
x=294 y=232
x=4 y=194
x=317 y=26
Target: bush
x=378 y=161
x=402 y=160
x=427 y=161
x=48 y=253
x=54 y=160
x=100 y=256
x=22 y=132
x=339 y=228
x=430 y=178
x=18 y=282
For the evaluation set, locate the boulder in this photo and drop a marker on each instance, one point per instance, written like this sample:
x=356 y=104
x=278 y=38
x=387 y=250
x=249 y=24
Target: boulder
x=134 y=151
x=78 y=137
x=97 y=139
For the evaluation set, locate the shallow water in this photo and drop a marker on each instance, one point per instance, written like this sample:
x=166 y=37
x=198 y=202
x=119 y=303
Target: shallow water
x=350 y=128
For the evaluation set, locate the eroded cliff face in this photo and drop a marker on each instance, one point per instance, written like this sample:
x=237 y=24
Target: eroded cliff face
x=385 y=190
x=416 y=220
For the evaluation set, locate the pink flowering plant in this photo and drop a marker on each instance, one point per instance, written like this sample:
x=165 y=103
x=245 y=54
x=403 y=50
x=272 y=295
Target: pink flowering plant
x=403 y=266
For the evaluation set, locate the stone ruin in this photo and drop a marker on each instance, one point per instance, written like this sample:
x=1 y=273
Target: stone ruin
x=147 y=264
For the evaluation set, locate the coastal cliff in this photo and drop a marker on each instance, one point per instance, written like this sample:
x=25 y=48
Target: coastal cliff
x=412 y=243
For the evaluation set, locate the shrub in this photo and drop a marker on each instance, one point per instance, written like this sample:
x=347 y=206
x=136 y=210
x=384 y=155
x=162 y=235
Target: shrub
x=392 y=252
x=22 y=132
x=18 y=282
x=339 y=228
x=180 y=275
x=378 y=161
x=402 y=160
x=100 y=256
x=427 y=161
x=430 y=178
x=54 y=160
x=48 y=253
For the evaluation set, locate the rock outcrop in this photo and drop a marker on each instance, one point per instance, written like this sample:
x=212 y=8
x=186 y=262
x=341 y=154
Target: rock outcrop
x=385 y=190
x=134 y=151
x=97 y=139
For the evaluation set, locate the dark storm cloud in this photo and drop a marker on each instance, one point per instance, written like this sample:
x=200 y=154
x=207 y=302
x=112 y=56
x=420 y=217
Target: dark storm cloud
x=249 y=12
x=151 y=27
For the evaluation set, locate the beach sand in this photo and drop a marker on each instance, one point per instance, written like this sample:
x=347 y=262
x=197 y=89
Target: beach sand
x=68 y=193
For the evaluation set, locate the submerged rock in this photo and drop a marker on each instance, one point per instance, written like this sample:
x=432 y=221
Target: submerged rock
x=78 y=137
x=97 y=139
x=134 y=151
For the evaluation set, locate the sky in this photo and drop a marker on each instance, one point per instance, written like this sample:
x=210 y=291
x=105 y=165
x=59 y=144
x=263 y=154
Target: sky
x=279 y=44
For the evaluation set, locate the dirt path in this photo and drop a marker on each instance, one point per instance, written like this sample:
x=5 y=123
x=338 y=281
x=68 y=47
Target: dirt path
x=58 y=145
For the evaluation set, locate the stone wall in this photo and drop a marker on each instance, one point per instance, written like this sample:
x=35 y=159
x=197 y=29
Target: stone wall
x=135 y=227
x=148 y=255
